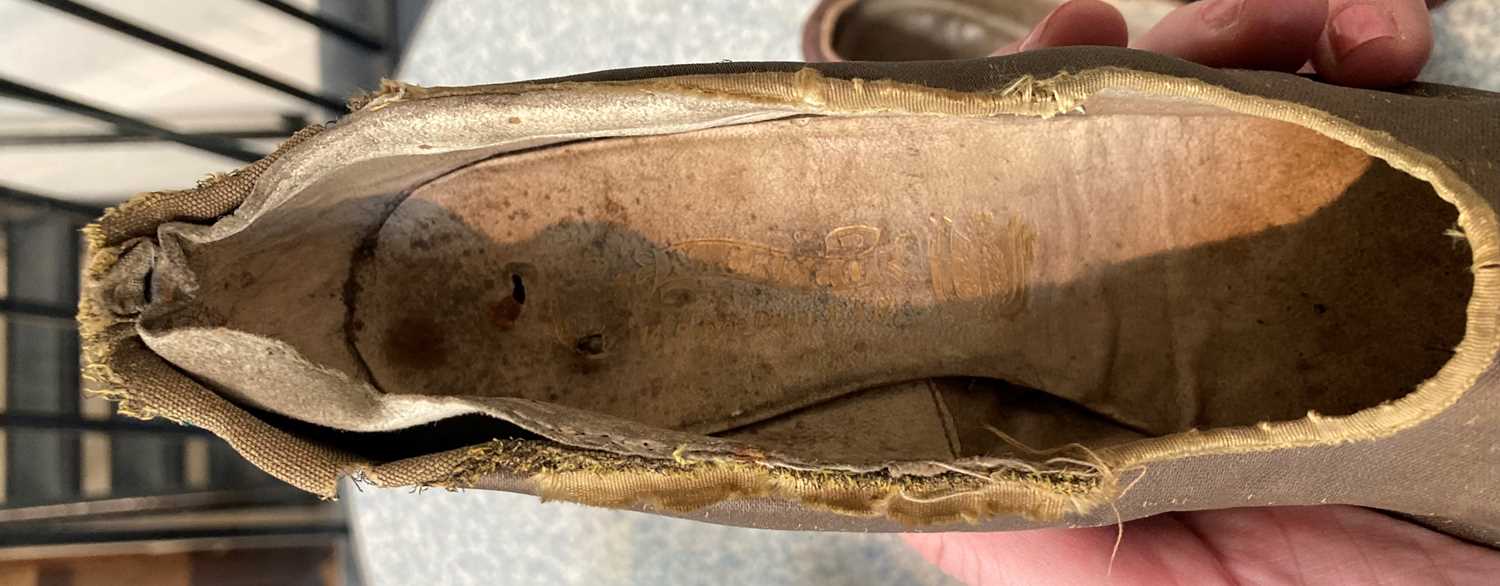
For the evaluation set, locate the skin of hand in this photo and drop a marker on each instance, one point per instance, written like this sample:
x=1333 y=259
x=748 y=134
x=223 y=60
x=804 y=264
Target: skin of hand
x=1362 y=43
x=1329 y=544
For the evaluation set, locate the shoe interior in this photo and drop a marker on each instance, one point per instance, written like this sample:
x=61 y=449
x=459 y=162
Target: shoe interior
x=919 y=30
x=865 y=289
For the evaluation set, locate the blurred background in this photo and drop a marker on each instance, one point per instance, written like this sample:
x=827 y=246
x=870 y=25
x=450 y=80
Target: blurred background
x=101 y=99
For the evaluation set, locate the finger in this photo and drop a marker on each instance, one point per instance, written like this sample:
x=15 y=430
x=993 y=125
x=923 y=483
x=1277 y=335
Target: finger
x=1336 y=544
x=1278 y=35
x=1078 y=22
x=1156 y=550
x=1045 y=556
x=1374 y=43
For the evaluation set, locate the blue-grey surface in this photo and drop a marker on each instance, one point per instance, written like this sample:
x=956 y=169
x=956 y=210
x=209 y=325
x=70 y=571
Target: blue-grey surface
x=490 y=41
x=1464 y=50
x=480 y=537
x=477 y=537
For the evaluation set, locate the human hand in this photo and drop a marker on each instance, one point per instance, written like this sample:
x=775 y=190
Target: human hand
x=1362 y=43
x=1330 y=544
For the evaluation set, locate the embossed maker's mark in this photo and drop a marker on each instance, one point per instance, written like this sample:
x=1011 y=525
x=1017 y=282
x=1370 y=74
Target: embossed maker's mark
x=976 y=260
x=987 y=261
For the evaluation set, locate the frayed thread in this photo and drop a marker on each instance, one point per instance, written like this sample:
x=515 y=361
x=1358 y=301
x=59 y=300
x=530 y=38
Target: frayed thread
x=389 y=92
x=1095 y=462
x=966 y=493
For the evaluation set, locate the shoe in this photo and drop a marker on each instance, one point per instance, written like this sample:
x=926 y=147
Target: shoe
x=922 y=30
x=1039 y=290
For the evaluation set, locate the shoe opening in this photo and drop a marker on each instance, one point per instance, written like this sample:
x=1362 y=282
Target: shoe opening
x=843 y=289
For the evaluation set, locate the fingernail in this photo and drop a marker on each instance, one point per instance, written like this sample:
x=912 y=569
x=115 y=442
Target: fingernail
x=1221 y=13
x=1357 y=25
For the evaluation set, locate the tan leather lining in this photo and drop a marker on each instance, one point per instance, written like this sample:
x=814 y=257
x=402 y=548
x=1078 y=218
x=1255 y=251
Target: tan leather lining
x=1162 y=269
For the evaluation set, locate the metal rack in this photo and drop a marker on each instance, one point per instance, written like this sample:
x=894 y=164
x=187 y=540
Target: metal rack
x=44 y=419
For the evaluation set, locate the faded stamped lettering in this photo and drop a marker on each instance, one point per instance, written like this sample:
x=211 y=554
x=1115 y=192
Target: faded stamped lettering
x=971 y=261
x=985 y=261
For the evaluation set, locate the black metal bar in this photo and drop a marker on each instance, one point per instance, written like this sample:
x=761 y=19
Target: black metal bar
x=62 y=533
x=336 y=29
x=190 y=52
x=42 y=310
x=116 y=506
x=134 y=137
x=392 y=36
x=11 y=420
x=9 y=195
x=228 y=148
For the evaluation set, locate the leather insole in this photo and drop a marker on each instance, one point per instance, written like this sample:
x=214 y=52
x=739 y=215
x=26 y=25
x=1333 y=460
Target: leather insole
x=1164 y=271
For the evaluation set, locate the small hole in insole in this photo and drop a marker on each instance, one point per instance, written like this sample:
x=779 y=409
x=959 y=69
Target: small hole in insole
x=591 y=345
